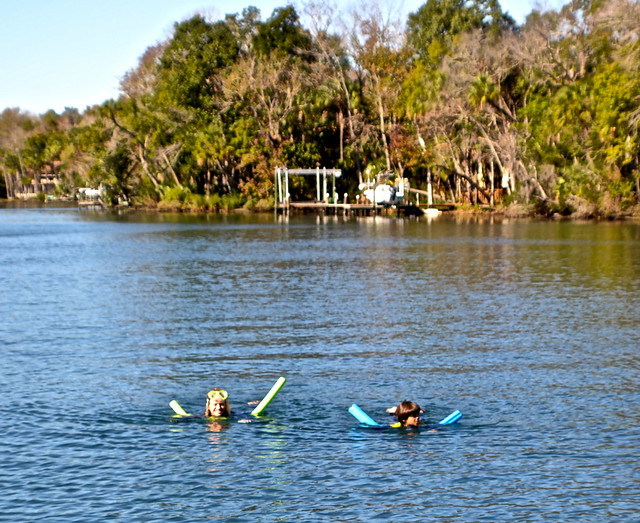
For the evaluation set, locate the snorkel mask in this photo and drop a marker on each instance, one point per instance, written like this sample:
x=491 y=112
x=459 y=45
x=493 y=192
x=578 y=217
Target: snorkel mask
x=217 y=393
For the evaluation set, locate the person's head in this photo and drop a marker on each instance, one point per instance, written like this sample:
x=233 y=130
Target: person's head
x=217 y=403
x=408 y=413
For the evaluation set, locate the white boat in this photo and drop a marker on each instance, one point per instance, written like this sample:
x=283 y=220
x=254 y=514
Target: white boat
x=430 y=212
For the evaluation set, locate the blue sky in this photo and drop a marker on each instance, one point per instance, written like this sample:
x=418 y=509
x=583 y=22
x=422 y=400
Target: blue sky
x=72 y=53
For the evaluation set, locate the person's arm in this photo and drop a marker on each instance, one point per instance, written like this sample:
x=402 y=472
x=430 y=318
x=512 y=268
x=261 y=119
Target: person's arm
x=248 y=420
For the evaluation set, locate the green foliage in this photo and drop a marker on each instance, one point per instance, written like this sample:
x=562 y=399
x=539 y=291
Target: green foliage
x=175 y=194
x=193 y=59
x=421 y=89
x=614 y=97
x=232 y=201
x=116 y=173
x=434 y=26
x=43 y=149
x=195 y=203
x=483 y=91
x=282 y=34
x=207 y=115
x=260 y=205
x=579 y=181
x=586 y=130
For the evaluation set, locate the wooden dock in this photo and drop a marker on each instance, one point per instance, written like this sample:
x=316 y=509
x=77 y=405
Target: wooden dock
x=357 y=209
x=91 y=204
x=323 y=204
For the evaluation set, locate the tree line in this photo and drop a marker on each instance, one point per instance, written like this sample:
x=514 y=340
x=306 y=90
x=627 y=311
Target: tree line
x=457 y=96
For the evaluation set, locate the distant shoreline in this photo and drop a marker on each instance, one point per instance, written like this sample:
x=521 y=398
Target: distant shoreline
x=511 y=212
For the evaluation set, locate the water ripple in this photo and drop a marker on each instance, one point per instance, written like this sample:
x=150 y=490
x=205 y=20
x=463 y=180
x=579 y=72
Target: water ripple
x=529 y=328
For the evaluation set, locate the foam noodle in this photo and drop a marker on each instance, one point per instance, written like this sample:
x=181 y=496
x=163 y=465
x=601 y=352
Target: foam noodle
x=270 y=395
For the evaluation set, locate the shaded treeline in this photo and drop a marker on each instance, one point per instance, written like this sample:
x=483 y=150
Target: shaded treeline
x=545 y=114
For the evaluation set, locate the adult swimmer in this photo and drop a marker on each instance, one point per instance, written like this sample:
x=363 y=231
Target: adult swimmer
x=218 y=406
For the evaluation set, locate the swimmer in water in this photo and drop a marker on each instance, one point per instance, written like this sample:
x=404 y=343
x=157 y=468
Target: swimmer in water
x=217 y=404
x=407 y=413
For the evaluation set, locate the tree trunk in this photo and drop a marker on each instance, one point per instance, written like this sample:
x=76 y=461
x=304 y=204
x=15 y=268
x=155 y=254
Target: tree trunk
x=383 y=133
x=341 y=127
x=207 y=188
x=145 y=166
x=493 y=187
x=461 y=176
x=536 y=182
x=8 y=181
x=171 y=169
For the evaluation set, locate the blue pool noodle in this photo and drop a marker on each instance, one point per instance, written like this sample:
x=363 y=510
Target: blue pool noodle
x=362 y=416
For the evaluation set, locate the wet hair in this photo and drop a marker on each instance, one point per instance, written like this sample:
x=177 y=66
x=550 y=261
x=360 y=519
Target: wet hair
x=405 y=409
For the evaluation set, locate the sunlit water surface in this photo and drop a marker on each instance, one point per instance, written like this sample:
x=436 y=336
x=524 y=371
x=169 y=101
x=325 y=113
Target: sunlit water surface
x=529 y=328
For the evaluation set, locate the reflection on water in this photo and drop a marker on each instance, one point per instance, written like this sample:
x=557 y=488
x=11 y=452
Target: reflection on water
x=529 y=328
x=216 y=426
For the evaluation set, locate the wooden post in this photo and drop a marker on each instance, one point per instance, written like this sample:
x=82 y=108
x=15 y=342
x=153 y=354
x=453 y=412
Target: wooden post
x=324 y=185
x=286 y=191
x=275 y=192
x=333 y=188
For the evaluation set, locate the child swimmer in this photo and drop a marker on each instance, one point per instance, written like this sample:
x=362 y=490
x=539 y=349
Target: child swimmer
x=407 y=413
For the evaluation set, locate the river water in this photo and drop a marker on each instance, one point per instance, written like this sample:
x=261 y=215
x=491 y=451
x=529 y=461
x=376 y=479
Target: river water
x=530 y=328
